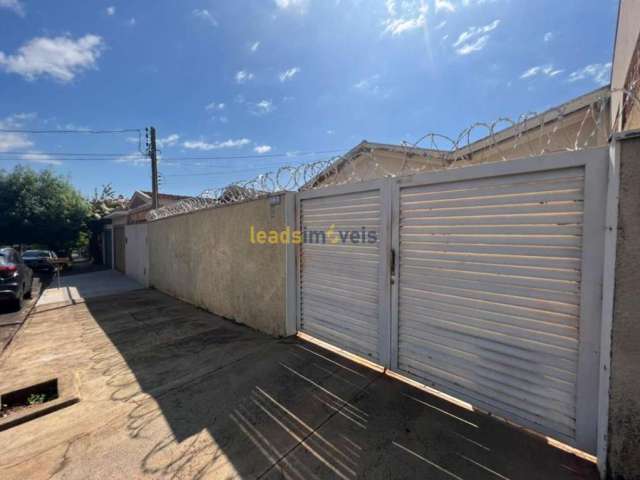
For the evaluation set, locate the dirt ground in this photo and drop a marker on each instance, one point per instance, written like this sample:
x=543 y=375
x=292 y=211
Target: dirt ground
x=169 y=391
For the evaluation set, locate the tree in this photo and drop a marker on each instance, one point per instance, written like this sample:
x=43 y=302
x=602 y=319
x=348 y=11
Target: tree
x=40 y=208
x=106 y=202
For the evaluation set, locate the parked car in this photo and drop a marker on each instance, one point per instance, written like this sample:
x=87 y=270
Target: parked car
x=65 y=260
x=40 y=260
x=16 y=278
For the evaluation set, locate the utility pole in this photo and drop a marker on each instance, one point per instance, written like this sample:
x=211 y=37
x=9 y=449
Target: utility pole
x=154 y=167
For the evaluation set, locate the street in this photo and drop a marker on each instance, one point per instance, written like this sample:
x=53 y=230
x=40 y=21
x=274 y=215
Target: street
x=10 y=319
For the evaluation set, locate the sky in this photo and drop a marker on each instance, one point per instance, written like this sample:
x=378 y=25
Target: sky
x=275 y=82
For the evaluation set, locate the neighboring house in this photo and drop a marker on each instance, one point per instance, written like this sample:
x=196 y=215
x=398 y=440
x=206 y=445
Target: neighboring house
x=580 y=123
x=140 y=204
x=124 y=235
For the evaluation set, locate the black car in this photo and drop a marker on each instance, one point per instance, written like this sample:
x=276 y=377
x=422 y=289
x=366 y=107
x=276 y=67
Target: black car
x=16 y=278
x=40 y=260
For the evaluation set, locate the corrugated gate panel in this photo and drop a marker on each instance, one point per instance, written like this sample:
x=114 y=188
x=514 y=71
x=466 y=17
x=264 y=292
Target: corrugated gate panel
x=489 y=292
x=339 y=282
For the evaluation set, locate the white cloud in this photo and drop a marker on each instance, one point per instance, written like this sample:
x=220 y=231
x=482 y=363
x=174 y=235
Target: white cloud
x=404 y=17
x=243 y=76
x=62 y=58
x=131 y=22
x=262 y=107
x=371 y=86
x=476 y=31
x=215 y=106
x=205 y=15
x=168 y=141
x=18 y=120
x=254 y=46
x=445 y=5
x=546 y=70
x=37 y=157
x=135 y=158
x=202 y=145
x=11 y=141
x=16 y=6
x=474 y=46
x=548 y=37
x=474 y=39
x=391 y=7
x=598 y=72
x=289 y=74
x=441 y=25
x=262 y=149
x=297 y=6
x=111 y=11
x=366 y=82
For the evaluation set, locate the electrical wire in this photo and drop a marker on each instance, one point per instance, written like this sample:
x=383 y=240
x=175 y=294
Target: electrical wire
x=133 y=156
x=92 y=132
x=70 y=154
x=261 y=155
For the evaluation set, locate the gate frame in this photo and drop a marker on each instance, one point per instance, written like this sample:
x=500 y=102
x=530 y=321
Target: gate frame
x=595 y=162
x=384 y=241
x=596 y=171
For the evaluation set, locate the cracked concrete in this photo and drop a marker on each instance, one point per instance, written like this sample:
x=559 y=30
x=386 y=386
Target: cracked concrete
x=169 y=391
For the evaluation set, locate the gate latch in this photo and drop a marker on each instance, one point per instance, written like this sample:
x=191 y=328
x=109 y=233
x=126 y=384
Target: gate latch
x=393 y=266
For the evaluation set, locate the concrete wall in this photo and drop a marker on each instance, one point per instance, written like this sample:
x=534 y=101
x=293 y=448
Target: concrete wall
x=624 y=399
x=206 y=258
x=136 y=253
x=625 y=60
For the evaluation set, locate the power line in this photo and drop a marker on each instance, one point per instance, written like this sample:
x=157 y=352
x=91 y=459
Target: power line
x=76 y=154
x=85 y=131
x=261 y=155
x=134 y=156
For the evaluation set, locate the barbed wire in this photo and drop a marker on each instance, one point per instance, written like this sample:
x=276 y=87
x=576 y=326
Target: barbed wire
x=555 y=130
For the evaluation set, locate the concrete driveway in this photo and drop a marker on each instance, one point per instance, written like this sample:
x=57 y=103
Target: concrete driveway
x=169 y=391
x=78 y=287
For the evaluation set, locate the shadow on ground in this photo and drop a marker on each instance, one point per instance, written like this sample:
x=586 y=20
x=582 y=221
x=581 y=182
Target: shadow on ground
x=208 y=398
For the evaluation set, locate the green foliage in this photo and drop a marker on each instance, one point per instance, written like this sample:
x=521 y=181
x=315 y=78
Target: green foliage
x=36 y=398
x=106 y=202
x=40 y=208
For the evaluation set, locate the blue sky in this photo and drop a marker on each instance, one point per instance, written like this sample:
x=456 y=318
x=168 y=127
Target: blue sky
x=271 y=77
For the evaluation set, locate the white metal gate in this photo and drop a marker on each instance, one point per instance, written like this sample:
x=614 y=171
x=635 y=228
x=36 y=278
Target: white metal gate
x=136 y=253
x=343 y=285
x=495 y=292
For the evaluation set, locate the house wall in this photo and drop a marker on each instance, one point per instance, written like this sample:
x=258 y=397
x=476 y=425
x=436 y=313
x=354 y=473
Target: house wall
x=576 y=129
x=206 y=258
x=378 y=164
x=624 y=398
x=625 y=59
x=136 y=253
